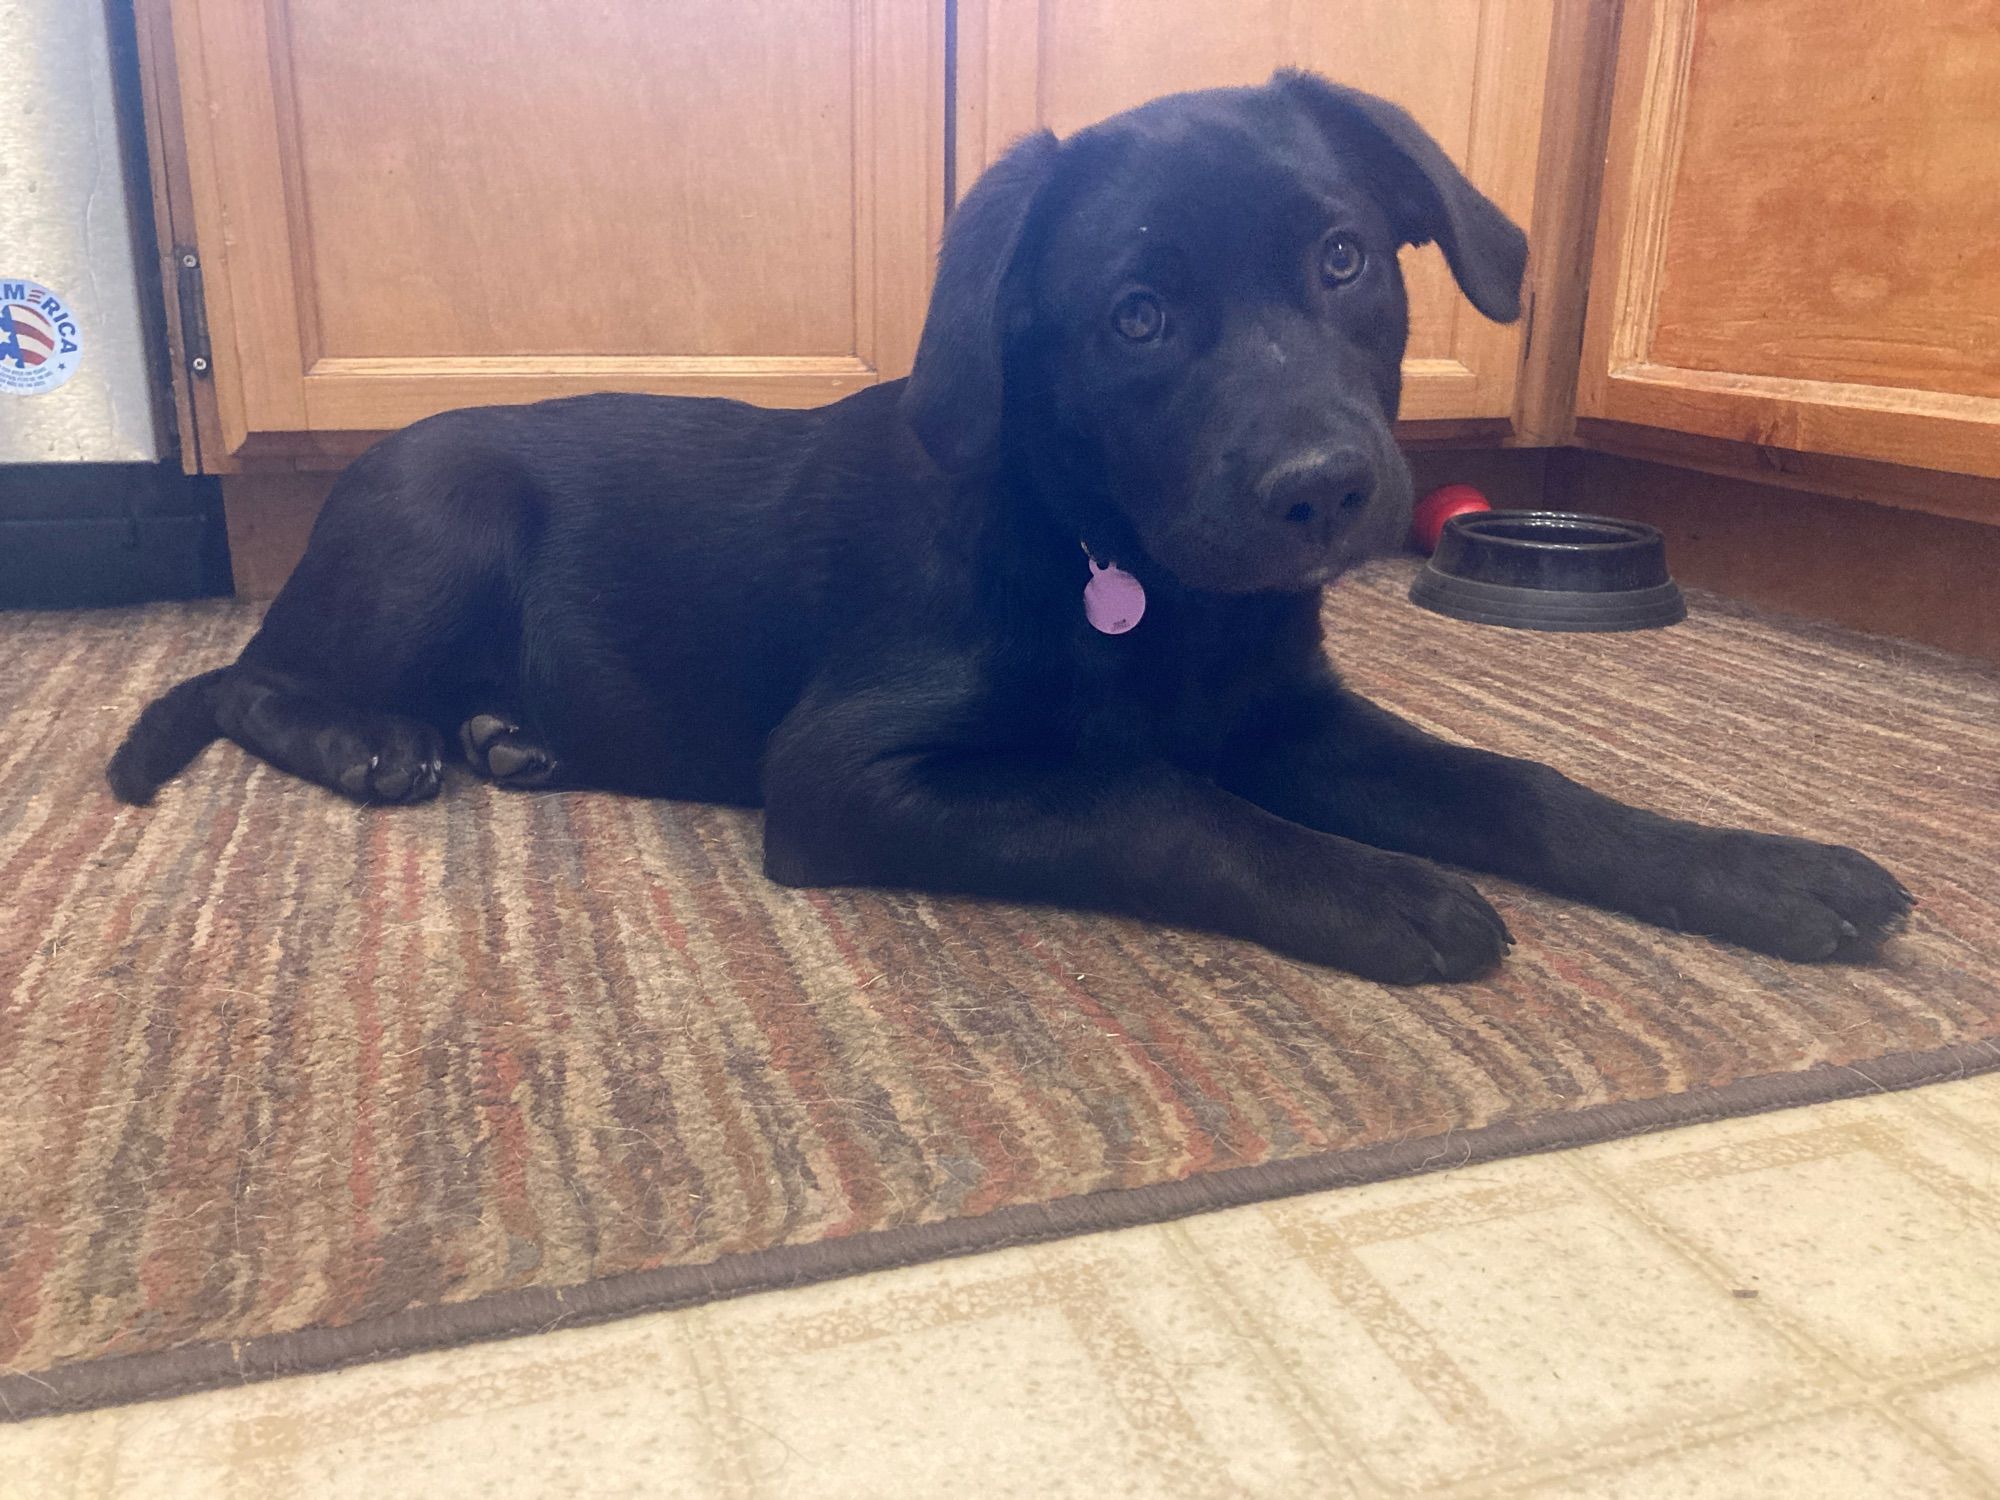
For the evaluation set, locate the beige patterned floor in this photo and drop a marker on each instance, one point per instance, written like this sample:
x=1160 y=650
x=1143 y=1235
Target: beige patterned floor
x=1801 y=1304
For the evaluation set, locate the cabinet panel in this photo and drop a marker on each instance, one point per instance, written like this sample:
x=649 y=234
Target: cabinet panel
x=404 y=208
x=1795 y=246
x=467 y=187
x=1472 y=71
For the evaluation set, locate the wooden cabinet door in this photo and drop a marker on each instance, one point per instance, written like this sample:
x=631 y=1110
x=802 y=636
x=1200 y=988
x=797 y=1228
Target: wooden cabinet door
x=404 y=207
x=1797 y=238
x=1471 y=71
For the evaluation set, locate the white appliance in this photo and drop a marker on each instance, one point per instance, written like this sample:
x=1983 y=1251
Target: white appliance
x=78 y=371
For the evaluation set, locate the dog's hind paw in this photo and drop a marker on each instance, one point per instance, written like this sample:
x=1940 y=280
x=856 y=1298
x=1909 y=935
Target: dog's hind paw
x=397 y=762
x=498 y=749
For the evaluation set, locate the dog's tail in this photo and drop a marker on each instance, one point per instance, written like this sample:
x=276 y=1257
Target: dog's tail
x=175 y=728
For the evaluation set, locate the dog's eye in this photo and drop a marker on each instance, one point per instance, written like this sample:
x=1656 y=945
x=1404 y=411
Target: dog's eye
x=1139 y=317
x=1341 y=259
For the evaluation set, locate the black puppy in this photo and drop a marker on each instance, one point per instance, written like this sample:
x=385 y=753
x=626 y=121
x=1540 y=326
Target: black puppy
x=1161 y=361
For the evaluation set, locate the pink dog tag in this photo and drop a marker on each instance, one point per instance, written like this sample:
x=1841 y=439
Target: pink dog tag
x=1113 y=601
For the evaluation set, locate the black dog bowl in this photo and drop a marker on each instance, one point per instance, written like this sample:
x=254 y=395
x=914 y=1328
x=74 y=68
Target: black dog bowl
x=1543 y=570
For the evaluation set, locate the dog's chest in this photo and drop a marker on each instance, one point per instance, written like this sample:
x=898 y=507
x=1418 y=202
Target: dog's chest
x=1178 y=687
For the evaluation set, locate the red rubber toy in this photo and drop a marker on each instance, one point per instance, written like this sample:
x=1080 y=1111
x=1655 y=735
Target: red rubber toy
x=1438 y=507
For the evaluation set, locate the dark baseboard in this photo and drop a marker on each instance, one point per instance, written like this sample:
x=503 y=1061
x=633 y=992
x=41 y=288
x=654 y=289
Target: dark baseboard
x=81 y=535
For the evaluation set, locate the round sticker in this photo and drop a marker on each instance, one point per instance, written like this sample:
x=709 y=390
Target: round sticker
x=40 y=344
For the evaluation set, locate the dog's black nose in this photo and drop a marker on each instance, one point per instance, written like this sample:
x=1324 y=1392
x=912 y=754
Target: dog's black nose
x=1319 y=492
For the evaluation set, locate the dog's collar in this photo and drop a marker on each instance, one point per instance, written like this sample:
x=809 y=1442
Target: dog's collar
x=1113 y=601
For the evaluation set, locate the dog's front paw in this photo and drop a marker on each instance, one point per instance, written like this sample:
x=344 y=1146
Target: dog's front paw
x=1408 y=922
x=1788 y=897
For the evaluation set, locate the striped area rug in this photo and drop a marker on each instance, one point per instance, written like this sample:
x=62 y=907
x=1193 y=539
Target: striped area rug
x=285 y=1084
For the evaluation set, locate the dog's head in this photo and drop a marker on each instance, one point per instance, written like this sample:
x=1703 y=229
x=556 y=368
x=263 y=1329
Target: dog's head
x=1194 y=311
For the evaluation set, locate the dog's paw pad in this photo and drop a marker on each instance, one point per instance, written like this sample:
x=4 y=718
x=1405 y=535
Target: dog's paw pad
x=498 y=749
x=479 y=732
x=354 y=779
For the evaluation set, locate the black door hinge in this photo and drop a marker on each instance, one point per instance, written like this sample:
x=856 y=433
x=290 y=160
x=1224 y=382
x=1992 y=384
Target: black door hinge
x=194 y=312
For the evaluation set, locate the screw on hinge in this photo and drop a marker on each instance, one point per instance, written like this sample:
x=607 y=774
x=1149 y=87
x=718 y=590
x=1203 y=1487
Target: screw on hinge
x=194 y=314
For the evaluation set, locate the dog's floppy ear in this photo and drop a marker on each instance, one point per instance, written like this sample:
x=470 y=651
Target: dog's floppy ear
x=1426 y=196
x=954 y=395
